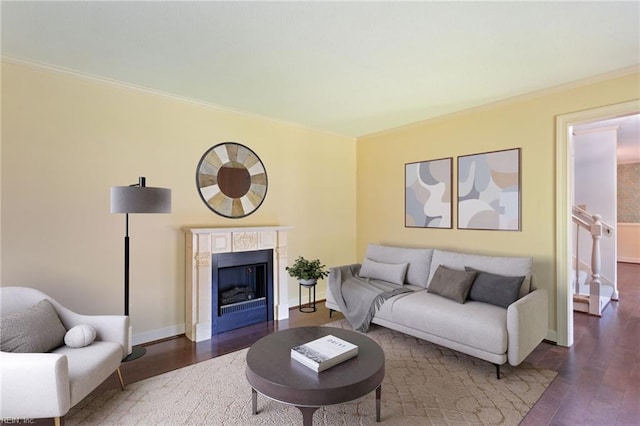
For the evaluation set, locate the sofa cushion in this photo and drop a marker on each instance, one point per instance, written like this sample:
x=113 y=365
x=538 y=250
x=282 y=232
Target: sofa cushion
x=496 y=289
x=89 y=366
x=503 y=265
x=36 y=329
x=419 y=260
x=452 y=284
x=475 y=324
x=391 y=272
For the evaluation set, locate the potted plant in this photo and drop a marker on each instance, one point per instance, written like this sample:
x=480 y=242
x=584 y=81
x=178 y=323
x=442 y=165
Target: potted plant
x=307 y=272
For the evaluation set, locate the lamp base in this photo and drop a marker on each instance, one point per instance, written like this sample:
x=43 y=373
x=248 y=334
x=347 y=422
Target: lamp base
x=137 y=352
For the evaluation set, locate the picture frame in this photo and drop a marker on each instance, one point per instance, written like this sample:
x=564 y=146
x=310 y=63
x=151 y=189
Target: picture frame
x=489 y=191
x=429 y=194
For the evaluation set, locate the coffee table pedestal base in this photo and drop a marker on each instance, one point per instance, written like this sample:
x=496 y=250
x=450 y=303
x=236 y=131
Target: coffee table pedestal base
x=307 y=412
x=307 y=415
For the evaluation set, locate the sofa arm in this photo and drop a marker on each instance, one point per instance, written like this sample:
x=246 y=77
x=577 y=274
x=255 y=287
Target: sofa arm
x=334 y=281
x=109 y=328
x=34 y=385
x=527 y=322
x=353 y=268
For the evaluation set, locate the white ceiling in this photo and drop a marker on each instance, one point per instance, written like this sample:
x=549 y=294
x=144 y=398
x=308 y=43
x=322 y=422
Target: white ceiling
x=350 y=68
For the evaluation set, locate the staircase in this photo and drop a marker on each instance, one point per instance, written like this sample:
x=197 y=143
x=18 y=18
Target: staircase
x=592 y=292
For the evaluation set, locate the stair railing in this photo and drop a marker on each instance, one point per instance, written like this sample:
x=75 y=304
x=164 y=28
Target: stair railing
x=592 y=223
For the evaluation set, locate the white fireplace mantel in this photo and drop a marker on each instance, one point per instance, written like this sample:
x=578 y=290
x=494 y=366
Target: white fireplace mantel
x=201 y=243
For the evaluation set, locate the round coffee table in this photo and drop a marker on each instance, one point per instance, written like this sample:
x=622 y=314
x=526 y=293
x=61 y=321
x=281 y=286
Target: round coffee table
x=272 y=372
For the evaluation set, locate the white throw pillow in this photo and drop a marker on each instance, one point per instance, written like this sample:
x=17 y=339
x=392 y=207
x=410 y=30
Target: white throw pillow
x=390 y=272
x=80 y=336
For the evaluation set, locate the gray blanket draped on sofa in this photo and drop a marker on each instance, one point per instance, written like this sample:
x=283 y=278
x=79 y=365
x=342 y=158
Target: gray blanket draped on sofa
x=359 y=298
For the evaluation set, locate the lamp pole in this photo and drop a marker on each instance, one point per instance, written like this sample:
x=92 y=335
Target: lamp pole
x=126 y=265
x=136 y=351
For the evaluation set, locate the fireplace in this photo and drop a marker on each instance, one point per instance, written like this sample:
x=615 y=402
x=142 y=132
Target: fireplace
x=201 y=244
x=241 y=289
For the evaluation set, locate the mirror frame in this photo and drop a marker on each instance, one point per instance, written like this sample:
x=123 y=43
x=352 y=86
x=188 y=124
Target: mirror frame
x=223 y=155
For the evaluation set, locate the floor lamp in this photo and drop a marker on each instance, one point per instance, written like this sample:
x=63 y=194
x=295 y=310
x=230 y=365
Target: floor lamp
x=136 y=198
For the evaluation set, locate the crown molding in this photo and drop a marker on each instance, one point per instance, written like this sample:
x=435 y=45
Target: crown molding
x=41 y=66
x=514 y=99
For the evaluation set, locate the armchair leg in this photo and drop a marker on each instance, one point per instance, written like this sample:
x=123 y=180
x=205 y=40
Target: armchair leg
x=119 y=378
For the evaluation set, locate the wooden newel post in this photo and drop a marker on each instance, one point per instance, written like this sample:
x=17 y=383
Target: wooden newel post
x=595 y=284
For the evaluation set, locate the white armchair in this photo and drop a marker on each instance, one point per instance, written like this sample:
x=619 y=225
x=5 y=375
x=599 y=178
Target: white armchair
x=39 y=385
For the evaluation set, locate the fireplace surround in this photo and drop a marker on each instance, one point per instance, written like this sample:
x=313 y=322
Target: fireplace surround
x=200 y=246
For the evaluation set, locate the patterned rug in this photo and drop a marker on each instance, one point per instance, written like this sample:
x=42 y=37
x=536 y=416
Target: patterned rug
x=424 y=384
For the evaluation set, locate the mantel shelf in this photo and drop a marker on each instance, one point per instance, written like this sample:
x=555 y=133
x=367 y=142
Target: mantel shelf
x=206 y=230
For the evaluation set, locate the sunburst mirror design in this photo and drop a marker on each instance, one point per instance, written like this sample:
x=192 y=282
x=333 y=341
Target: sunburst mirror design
x=231 y=180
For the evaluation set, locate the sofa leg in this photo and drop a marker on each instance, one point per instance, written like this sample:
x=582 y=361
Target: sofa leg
x=120 y=378
x=330 y=312
x=56 y=421
x=497 y=371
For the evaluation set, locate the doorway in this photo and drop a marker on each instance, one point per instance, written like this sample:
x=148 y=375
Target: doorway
x=564 y=186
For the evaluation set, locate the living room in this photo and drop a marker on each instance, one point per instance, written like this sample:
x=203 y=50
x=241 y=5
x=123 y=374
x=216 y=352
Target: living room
x=69 y=136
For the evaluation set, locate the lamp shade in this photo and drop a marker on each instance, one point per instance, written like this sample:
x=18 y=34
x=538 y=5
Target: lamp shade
x=140 y=199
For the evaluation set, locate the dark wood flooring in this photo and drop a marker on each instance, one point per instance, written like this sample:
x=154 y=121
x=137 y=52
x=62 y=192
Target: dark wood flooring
x=177 y=352
x=598 y=379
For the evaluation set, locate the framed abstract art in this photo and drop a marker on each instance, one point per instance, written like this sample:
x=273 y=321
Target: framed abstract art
x=489 y=191
x=428 y=194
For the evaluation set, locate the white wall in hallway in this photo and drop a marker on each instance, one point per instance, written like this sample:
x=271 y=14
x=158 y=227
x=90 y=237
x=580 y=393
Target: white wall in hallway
x=595 y=168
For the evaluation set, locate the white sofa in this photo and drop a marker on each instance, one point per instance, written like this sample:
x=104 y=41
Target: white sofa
x=483 y=330
x=43 y=385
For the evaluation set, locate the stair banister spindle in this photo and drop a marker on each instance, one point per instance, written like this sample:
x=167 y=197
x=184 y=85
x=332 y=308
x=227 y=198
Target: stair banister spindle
x=576 y=289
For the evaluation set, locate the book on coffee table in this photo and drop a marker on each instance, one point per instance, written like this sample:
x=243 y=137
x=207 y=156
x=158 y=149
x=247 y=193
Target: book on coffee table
x=324 y=352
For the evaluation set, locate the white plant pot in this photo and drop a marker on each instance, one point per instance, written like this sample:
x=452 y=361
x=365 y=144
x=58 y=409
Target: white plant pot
x=308 y=283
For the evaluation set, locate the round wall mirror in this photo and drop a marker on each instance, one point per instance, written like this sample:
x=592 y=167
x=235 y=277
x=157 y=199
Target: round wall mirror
x=231 y=180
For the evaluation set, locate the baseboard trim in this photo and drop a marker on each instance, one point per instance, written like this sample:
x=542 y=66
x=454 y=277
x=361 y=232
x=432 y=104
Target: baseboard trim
x=628 y=260
x=293 y=302
x=552 y=336
x=158 y=334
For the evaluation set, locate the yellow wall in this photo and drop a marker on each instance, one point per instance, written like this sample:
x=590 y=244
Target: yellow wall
x=528 y=123
x=67 y=140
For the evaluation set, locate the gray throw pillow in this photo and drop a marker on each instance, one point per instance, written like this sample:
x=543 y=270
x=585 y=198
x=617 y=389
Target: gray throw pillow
x=390 y=272
x=36 y=329
x=495 y=289
x=451 y=283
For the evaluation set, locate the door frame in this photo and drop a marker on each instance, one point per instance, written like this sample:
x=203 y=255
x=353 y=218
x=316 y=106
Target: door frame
x=564 y=294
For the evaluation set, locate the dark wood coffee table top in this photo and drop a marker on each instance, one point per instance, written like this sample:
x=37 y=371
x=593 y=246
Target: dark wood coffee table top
x=272 y=372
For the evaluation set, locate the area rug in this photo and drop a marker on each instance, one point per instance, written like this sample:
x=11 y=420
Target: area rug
x=424 y=384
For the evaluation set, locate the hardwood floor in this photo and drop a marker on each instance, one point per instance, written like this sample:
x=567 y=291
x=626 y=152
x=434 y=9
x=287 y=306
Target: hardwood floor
x=178 y=352
x=598 y=379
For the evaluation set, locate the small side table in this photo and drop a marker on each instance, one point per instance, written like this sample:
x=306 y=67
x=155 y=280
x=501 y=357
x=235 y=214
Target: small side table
x=311 y=305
